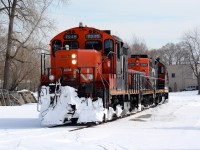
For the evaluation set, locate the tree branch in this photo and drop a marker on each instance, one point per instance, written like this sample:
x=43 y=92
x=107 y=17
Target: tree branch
x=5 y=7
x=33 y=29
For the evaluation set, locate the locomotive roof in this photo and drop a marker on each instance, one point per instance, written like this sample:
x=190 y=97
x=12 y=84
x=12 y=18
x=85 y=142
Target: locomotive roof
x=91 y=28
x=146 y=56
x=117 y=38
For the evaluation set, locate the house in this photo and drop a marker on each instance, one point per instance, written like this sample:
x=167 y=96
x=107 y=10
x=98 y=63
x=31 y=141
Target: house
x=180 y=77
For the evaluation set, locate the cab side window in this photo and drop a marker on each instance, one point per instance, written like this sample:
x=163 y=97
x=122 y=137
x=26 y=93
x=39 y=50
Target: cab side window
x=118 y=50
x=108 y=46
x=56 y=45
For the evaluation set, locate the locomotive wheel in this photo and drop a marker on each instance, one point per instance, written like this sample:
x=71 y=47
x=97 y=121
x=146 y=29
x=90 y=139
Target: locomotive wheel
x=74 y=120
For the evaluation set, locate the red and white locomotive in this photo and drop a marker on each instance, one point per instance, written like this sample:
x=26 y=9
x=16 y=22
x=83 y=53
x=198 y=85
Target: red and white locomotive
x=97 y=64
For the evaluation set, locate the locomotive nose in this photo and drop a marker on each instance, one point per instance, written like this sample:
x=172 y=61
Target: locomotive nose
x=66 y=62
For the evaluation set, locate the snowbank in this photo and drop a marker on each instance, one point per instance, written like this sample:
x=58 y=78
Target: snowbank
x=58 y=108
x=173 y=126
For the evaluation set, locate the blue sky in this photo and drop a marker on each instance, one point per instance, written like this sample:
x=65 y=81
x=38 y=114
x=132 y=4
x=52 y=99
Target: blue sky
x=157 y=22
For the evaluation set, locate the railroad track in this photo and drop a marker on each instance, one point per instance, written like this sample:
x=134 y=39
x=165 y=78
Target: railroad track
x=89 y=125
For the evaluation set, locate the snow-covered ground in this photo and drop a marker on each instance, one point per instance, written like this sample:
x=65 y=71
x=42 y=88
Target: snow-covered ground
x=175 y=125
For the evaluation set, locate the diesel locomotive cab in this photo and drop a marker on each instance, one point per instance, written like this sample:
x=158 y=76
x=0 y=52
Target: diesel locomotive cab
x=81 y=57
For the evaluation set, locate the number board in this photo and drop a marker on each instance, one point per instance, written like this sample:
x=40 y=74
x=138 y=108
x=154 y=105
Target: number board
x=70 y=36
x=93 y=36
x=131 y=64
x=143 y=64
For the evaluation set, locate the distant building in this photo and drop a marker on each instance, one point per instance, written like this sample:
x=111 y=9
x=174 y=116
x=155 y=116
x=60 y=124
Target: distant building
x=180 y=77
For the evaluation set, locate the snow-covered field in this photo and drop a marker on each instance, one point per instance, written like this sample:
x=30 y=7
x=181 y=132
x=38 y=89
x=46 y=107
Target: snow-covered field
x=175 y=125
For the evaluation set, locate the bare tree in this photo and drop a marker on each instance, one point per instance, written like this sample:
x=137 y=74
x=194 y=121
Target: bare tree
x=2 y=41
x=191 y=41
x=154 y=53
x=26 y=19
x=138 y=46
x=171 y=54
x=2 y=50
x=25 y=68
x=181 y=54
x=27 y=25
x=168 y=53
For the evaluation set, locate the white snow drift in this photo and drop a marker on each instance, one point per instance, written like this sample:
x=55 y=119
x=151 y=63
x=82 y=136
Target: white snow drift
x=56 y=108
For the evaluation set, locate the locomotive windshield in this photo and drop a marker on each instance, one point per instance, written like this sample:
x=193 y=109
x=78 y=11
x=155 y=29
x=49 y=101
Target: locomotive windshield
x=97 y=45
x=70 y=45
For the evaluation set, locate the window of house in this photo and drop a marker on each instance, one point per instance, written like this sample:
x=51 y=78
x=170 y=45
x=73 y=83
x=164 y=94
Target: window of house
x=173 y=75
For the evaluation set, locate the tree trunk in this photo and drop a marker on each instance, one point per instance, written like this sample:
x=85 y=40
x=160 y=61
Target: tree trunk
x=8 y=49
x=198 y=83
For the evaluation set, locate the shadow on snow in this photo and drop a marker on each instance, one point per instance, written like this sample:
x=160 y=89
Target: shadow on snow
x=19 y=123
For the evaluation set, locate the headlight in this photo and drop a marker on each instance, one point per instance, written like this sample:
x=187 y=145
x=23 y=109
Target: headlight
x=73 y=55
x=74 y=62
x=90 y=77
x=51 y=77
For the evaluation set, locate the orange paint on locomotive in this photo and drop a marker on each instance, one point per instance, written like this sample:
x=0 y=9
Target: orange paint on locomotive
x=139 y=64
x=76 y=42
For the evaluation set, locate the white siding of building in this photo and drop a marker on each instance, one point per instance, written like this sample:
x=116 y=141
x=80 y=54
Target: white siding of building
x=184 y=77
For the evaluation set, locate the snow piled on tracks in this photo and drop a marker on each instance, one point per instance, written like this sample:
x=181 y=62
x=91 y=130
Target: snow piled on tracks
x=55 y=112
x=91 y=111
